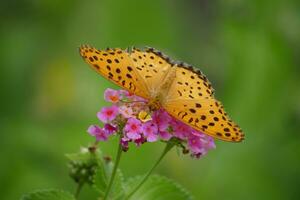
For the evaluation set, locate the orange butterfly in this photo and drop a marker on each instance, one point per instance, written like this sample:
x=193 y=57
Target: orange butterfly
x=183 y=91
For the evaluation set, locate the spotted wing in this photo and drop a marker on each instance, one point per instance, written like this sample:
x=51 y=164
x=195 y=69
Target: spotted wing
x=190 y=100
x=152 y=66
x=189 y=83
x=117 y=66
x=206 y=115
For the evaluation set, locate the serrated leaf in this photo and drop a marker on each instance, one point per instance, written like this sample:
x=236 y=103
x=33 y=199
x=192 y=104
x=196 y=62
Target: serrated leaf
x=101 y=180
x=48 y=195
x=158 y=188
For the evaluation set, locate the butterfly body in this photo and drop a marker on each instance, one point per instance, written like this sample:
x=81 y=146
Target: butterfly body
x=160 y=94
x=154 y=104
x=183 y=91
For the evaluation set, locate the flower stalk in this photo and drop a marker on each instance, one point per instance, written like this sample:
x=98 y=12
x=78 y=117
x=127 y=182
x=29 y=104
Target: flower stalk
x=78 y=189
x=118 y=158
x=168 y=147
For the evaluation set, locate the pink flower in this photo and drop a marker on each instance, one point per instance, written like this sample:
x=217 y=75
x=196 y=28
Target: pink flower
x=110 y=129
x=137 y=125
x=180 y=130
x=108 y=114
x=199 y=145
x=111 y=95
x=125 y=93
x=195 y=144
x=125 y=144
x=162 y=119
x=126 y=111
x=150 y=131
x=98 y=132
x=133 y=128
x=139 y=99
x=139 y=141
x=197 y=133
x=165 y=135
x=211 y=143
x=208 y=141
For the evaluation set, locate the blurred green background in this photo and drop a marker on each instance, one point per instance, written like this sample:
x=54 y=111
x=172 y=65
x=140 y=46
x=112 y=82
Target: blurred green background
x=250 y=51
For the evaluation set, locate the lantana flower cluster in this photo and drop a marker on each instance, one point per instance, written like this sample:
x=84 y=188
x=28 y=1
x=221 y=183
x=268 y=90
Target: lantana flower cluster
x=130 y=116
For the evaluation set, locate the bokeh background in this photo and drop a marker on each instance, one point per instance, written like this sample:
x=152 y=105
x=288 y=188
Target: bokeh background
x=250 y=50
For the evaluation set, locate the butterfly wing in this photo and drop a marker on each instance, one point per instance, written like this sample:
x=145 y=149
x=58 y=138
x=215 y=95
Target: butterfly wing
x=189 y=83
x=152 y=66
x=190 y=100
x=206 y=115
x=117 y=66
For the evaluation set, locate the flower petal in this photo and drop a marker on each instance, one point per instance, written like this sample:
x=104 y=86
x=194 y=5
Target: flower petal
x=111 y=95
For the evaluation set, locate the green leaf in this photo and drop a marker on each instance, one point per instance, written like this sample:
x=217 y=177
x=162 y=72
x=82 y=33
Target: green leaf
x=102 y=177
x=48 y=195
x=158 y=188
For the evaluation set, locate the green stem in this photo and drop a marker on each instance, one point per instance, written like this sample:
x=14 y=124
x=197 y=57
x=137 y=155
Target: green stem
x=114 y=170
x=78 y=189
x=166 y=150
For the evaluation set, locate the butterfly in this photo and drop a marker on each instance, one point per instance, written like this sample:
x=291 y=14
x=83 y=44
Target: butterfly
x=180 y=89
